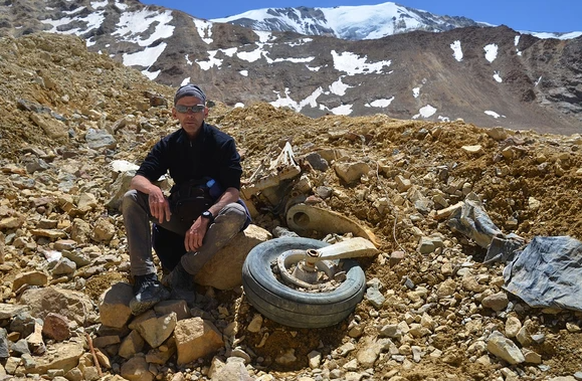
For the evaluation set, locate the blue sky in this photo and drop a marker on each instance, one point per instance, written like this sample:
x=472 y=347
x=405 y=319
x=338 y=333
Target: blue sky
x=529 y=15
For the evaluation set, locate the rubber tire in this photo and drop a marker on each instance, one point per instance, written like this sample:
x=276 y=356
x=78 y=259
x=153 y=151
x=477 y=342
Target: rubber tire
x=291 y=307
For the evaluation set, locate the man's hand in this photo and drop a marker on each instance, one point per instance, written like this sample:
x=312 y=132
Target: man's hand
x=195 y=235
x=159 y=205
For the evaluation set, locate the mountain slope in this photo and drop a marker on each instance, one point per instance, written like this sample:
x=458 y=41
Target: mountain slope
x=484 y=75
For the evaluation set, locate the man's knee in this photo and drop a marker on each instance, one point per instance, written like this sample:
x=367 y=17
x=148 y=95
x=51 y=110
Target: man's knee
x=233 y=209
x=234 y=214
x=129 y=198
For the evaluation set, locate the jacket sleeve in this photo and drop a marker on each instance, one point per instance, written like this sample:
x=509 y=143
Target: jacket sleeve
x=155 y=164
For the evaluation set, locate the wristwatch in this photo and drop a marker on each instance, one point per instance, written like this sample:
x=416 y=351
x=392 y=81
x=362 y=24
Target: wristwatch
x=207 y=214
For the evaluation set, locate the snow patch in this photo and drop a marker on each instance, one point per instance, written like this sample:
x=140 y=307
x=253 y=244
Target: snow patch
x=494 y=114
x=204 y=30
x=264 y=36
x=339 y=88
x=426 y=112
x=380 y=103
x=491 y=52
x=211 y=62
x=416 y=92
x=352 y=63
x=342 y=110
x=457 y=51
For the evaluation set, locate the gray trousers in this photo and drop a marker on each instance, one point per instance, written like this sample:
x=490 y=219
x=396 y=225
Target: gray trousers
x=137 y=217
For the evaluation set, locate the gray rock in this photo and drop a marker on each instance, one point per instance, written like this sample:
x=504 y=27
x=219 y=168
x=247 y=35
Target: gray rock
x=4 y=347
x=97 y=139
x=505 y=349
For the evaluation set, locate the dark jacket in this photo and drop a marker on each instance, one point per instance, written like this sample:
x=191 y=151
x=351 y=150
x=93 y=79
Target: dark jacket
x=212 y=154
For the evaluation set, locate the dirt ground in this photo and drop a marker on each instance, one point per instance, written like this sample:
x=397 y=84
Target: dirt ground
x=421 y=148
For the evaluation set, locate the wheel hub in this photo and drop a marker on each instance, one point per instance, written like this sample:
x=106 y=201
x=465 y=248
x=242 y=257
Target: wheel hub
x=308 y=269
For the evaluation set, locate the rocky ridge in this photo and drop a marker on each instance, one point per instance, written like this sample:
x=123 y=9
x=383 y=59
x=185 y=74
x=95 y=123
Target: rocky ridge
x=442 y=314
x=389 y=18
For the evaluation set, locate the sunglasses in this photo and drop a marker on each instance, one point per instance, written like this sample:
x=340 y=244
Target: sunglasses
x=184 y=109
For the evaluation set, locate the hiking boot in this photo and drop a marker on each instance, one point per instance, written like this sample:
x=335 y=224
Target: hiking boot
x=181 y=283
x=148 y=292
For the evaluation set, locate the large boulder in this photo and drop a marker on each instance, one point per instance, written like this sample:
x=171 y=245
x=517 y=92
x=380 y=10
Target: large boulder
x=224 y=271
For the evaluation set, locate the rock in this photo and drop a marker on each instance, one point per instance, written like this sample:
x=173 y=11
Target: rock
x=157 y=329
x=196 y=338
x=402 y=184
x=473 y=149
x=163 y=353
x=65 y=244
x=71 y=304
x=447 y=288
x=23 y=323
x=232 y=371
x=35 y=340
x=532 y=357
x=11 y=365
x=396 y=257
x=4 y=347
x=375 y=297
x=64 y=266
x=345 y=349
x=224 y=270
x=52 y=234
x=391 y=331
x=114 y=308
x=104 y=341
x=103 y=359
x=131 y=344
x=55 y=129
x=523 y=336
x=136 y=369
x=425 y=245
x=98 y=139
x=8 y=311
x=179 y=307
x=505 y=349
x=314 y=358
x=81 y=231
x=118 y=189
x=63 y=356
x=497 y=302
x=286 y=357
x=32 y=278
x=255 y=324
x=497 y=133
x=56 y=327
x=351 y=172
x=11 y=223
x=103 y=231
x=512 y=327
x=317 y=162
x=368 y=355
